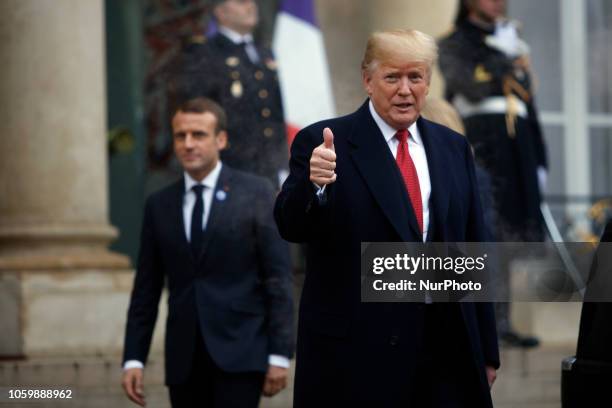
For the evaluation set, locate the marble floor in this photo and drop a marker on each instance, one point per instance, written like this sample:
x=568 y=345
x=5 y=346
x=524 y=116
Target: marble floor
x=529 y=379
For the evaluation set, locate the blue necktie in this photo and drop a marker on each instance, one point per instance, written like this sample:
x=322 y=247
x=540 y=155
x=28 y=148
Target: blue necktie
x=250 y=50
x=196 y=221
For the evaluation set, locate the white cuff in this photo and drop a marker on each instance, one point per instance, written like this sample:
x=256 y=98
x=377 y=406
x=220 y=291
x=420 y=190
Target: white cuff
x=132 y=364
x=320 y=190
x=278 y=360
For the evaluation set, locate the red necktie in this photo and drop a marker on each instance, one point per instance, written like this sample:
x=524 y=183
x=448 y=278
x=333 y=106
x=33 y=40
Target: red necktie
x=409 y=174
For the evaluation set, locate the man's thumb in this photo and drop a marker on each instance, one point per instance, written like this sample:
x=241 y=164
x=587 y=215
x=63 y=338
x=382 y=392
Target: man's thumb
x=328 y=138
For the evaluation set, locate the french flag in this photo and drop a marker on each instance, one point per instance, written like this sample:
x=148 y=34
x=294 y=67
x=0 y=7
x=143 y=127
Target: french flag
x=303 y=72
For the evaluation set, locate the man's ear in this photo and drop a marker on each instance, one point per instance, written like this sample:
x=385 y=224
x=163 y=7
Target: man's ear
x=366 y=78
x=221 y=139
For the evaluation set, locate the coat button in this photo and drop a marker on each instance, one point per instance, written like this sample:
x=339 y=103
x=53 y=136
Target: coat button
x=394 y=340
x=265 y=112
x=268 y=132
x=259 y=75
x=263 y=94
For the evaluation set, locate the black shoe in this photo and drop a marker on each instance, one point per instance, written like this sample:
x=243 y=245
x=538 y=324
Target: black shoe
x=513 y=339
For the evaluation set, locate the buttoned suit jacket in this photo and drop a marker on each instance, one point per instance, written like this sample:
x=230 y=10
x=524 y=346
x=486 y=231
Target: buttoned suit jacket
x=365 y=353
x=237 y=292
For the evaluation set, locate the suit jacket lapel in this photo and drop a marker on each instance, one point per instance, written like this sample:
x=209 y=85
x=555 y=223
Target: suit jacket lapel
x=436 y=151
x=372 y=157
x=218 y=208
x=175 y=207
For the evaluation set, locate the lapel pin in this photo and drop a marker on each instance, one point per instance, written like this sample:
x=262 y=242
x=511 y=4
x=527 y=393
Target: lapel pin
x=221 y=195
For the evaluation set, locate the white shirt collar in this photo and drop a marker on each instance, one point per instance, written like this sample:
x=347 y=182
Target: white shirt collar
x=209 y=181
x=389 y=132
x=236 y=37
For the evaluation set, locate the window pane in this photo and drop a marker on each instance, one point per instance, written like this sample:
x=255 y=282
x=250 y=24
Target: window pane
x=555 y=146
x=541 y=30
x=599 y=26
x=601 y=163
x=555 y=187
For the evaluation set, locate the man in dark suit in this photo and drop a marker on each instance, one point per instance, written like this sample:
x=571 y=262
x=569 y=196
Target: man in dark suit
x=211 y=237
x=383 y=174
x=242 y=77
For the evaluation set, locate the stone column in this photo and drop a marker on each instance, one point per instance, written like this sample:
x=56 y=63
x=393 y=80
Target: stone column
x=55 y=270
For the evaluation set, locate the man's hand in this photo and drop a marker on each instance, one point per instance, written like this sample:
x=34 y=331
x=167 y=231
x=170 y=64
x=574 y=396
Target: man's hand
x=491 y=375
x=276 y=380
x=323 y=161
x=132 y=383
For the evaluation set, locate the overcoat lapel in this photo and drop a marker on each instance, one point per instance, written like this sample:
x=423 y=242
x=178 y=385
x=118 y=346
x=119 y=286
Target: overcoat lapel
x=373 y=159
x=175 y=208
x=437 y=152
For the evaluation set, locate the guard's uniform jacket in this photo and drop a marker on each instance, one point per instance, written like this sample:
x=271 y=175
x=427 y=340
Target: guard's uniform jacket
x=249 y=93
x=496 y=103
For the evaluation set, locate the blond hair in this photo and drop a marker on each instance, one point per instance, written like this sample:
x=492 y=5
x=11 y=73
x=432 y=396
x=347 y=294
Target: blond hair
x=399 y=46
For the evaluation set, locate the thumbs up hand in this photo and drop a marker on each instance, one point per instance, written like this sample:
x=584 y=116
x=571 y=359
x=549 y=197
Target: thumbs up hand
x=323 y=161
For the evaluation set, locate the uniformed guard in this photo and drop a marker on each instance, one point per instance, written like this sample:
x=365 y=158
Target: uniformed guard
x=241 y=76
x=488 y=80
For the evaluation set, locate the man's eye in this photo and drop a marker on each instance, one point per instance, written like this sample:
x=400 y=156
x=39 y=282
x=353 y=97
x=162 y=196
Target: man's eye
x=416 y=77
x=199 y=135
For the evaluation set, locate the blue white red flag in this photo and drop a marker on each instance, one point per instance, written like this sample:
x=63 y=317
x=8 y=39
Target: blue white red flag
x=303 y=71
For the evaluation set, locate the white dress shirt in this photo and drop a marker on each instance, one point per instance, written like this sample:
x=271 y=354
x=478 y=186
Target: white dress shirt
x=416 y=149
x=238 y=38
x=209 y=182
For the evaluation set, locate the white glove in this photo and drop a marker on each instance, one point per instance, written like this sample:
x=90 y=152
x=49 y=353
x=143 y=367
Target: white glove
x=506 y=39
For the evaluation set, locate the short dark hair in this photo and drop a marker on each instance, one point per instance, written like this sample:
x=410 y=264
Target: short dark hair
x=203 y=105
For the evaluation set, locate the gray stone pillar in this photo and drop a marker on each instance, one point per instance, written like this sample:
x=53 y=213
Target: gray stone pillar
x=54 y=230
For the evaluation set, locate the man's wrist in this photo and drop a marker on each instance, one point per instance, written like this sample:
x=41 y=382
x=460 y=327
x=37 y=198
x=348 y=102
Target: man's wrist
x=320 y=192
x=278 y=361
x=132 y=364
